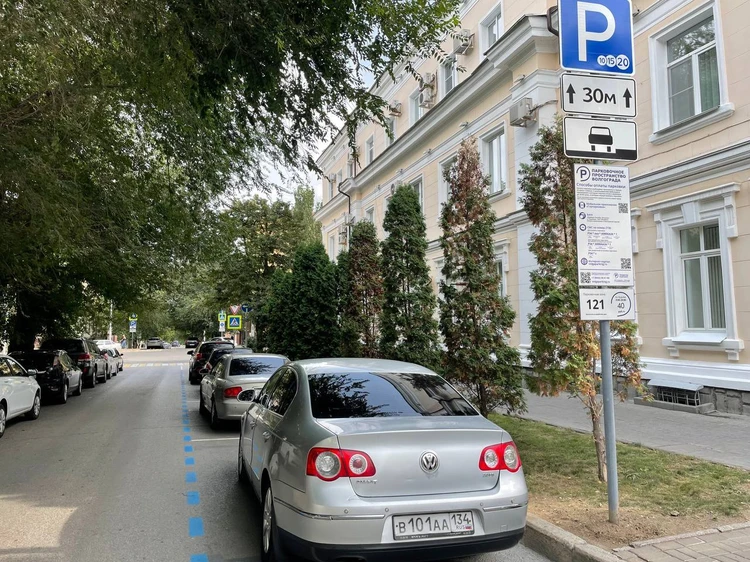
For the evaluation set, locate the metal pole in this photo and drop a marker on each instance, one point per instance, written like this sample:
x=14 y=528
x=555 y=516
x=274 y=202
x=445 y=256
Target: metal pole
x=613 y=494
x=109 y=334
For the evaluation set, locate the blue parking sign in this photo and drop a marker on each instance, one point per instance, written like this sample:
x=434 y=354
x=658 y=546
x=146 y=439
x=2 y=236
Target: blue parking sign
x=597 y=36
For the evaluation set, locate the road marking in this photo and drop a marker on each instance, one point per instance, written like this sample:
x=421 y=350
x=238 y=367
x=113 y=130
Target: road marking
x=191 y=477
x=186 y=429
x=189 y=461
x=218 y=439
x=188 y=448
x=195 y=527
x=193 y=498
x=198 y=558
x=187 y=438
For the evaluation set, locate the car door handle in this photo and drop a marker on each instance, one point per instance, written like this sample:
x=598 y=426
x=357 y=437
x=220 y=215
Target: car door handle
x=266 y=435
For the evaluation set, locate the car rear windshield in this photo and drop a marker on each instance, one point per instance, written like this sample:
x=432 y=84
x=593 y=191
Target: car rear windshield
x=38 y=361
x=368 y=395
x=69 y=345
x=208 y=347
x=242 y=366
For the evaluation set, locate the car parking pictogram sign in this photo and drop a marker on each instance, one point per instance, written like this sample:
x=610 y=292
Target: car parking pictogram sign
x=234 y=322
x=600 y=138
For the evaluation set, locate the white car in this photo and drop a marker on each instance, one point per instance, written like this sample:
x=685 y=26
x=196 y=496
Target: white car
x=107 y=344
x=19 y=392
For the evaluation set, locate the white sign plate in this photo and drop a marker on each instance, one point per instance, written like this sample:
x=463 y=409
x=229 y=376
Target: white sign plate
x=222 y=327
x=598 y=95
x=605 y=251
x=600 y=138
x=607 y=304
x=133 y=325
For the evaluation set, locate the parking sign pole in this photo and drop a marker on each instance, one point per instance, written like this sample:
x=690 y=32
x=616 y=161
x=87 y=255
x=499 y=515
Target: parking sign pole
x=610 y=443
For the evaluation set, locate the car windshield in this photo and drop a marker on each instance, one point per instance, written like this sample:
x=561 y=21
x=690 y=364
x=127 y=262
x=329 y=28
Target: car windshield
x=71 y=346
x=38 y=361
x=242 y=366
x=367 y=395
x=207 y=348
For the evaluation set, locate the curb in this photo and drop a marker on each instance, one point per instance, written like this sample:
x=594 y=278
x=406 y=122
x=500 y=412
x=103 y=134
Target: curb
x=561 y=546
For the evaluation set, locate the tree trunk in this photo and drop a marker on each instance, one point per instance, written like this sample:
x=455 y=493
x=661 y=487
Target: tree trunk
x=595 y=410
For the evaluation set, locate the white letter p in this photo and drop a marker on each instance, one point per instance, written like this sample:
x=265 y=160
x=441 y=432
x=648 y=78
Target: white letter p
x=584 y=35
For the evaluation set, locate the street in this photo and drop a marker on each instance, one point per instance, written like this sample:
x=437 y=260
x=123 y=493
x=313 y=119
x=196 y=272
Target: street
x=116 y=475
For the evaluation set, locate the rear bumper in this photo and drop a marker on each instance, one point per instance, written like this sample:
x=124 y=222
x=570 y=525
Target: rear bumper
x=414 y=551
x=231 y=409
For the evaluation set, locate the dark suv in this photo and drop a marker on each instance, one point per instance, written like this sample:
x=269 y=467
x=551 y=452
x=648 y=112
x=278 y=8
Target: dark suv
x=192 y=342
x=200 y=357
x=85 y=354
x=57 y=374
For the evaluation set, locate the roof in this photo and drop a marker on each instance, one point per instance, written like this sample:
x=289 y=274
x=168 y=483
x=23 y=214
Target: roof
x=347 y=365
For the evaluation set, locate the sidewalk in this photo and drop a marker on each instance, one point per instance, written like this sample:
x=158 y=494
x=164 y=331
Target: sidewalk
x=719 y=438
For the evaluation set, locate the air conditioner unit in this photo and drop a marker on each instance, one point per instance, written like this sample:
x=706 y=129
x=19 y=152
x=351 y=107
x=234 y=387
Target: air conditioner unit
x=428 y=80
x=464 y=42
x=343 y=235
x=394 y=109
x=426 y=98
x=521 y=112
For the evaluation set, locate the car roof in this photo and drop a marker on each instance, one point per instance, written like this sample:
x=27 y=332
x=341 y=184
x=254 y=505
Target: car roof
x=345 y=365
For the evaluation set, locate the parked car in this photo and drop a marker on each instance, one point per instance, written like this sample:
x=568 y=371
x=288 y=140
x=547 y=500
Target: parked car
x=106 y=344
x=192 y=342
x=113 y=365
x=233 y=375
x=85 y=353
x=175 y=343
x=200 y=356
x=218 y=353
x=57 y=374
x=119 y=359
x=20 y=394
x=154 y=343
x=365 y=458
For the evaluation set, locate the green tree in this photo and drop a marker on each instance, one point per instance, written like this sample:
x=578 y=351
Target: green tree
x=408 y=329
x=364 y=303
x=301 y=312
x=349 y=334
x=564 y=349
x=475 y=319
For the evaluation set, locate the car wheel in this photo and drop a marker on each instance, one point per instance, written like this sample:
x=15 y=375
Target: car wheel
x=64 y=394
x=268 y=547
x=36 y=408
x=108 y=375
x=78 y=391
x=2 y=419
x=215 y=421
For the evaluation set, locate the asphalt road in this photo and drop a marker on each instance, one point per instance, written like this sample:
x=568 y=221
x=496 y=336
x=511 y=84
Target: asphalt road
x=108 y=477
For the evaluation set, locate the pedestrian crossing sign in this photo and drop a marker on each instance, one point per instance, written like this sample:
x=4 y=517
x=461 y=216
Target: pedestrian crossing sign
x=234 y=322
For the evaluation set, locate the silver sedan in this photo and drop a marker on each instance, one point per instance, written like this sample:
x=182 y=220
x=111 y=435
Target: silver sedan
x=233 y=375
x=367 y=459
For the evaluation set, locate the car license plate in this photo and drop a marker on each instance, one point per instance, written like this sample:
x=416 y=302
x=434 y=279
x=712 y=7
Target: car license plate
x=428 y=525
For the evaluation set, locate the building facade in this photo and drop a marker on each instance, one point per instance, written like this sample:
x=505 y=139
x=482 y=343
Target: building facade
x=689 y=187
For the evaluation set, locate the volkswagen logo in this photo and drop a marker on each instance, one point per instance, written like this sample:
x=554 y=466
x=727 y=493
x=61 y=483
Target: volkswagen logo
x=429 y=462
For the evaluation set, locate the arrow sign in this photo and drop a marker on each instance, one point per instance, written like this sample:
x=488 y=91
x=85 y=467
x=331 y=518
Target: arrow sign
x=598 y=95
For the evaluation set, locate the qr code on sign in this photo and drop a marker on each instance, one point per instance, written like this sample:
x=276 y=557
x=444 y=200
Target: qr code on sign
x=585 y=277
x=622 y=208
x=625 y=263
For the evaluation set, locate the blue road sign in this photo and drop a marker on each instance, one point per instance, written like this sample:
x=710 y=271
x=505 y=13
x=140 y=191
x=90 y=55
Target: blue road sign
x=246 y=308
x=234 y=322
x=597 y=36
x=133 y=326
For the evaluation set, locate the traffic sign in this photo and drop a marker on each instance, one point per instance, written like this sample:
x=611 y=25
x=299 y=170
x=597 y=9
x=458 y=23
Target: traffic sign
x=607 y=304
x=600 y=138
x=246 y=308
x=133 y=316
x=133 y=326
x=598 y=95
x=597 y=36
x=235 y=308
x=222 y=326
x=222 y=316
x=605 y=251
x=234 y=322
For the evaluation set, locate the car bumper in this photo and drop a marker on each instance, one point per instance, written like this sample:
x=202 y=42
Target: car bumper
x=231 y=409
x=413 y=551
x=360 y=523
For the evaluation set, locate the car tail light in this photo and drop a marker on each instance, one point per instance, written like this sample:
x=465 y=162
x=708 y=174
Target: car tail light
x=198 y=356
x=84 y=358
x=500 y=457
x=232 y=391
x=330 y=464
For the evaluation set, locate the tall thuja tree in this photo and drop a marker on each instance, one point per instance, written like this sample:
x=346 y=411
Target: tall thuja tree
x=348 y=337
x=364 y=303
x=475 y=319
x=564 y=349
x=408 y=329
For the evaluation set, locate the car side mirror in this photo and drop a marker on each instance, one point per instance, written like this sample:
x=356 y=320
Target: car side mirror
x=32 y=372
x=190 y=352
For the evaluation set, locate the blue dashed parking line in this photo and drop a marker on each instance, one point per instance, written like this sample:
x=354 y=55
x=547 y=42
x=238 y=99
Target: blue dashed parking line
x=199 y=558
x=189 y=461
x=193 y=498
x=195 y=526
x=188 y=448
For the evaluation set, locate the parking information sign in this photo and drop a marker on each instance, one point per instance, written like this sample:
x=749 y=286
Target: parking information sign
x=597 y=36
x=605 y=251
x=222 y=326
x=598 y=95
x=133 y=326
x=600 y=139
x=607 y=304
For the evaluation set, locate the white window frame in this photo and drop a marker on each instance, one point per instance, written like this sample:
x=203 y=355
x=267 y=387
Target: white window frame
x=370 y=149
x=416 y=111
x=332 y=239
x=390 y=129
x=502 y=255
x=448 y=70
x=702 y=255
x=330 y=187
x=419 y=180
x=340 y=177
x=716 y=205
x=494 y=15
x=664 y=129
x=486 y=146
x=370 y=214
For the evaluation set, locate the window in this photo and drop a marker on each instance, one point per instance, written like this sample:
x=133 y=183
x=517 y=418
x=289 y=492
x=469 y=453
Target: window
x=248 y=366
x=332 y=246
x=492 y=27
x=339 y=177
x=415 y=110
x=416 y=185
x=16 y=369
x=370 y=395
x=5 y=368
x=370 y=215
x=693 y=71
x=494 y=161
x=350 y=168
x=501 y=277
x=370 y=150
x=450 y=75
x=390 y=136
x=282 y=394
x=702 y=269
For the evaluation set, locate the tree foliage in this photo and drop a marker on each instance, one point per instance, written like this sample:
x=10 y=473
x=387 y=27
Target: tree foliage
x=564 y=349
x=363 y=294
x=408 y=329
x=475 y=319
